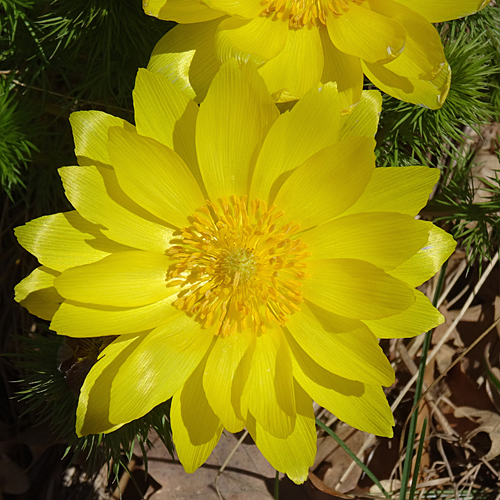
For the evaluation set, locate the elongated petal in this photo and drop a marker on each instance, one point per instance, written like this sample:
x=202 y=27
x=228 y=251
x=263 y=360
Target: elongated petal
x=362 y=406
x=195 y=427
x=286 y=75
x=37 y=293
x=397 y=189
x=311 y=126
x=340 y=345
x=95 y=193
x=363 y=119
x=445 y=10
x=158 y=367
x=166 y=114
x=90 y=133
x=294 y=454
x=85 y=320
x=306 y=196
x=385 y=239
x=92 y=414
x=427 y=262
x=356 y=289
x=268 y=393
x=364 y=33
x=256 y=40
x=343 y=69
x=423 y=54
x=180 y=11
x=64 y=240
x=186 y=56
x=226 y=372
x=240 y=8
x=173 y=196
x=419 y=318
x=124 y=279
x=232 y=123
x=427 y=93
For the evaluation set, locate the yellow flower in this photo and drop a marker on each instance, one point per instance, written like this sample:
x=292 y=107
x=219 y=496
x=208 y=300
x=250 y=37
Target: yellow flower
x=299 y=43
x=247 y=262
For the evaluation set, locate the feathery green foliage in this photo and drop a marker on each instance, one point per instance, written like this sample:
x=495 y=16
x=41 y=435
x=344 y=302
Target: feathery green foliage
x=15 y=147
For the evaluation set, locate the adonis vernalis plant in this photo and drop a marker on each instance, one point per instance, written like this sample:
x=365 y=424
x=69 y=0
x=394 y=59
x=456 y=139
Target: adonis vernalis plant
x=243 y=261
x=299 y=43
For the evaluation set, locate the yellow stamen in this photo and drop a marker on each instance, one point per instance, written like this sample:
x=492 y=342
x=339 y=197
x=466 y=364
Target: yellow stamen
x=300 y=13
x=237 y=266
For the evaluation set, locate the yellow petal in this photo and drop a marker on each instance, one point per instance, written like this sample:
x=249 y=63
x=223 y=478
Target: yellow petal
x=363 y=119
x=238 y=8
x=420 y=317
x=423 y=54
x=95 y=193
x=397 y=189
x=124 y=279
x=158 y=367
x=268 y=393
x=186 y=56
x=356 y=289
x=225 y=375
x=294 y=454
x=297 y=68
x=173 y=196
x=64 y=240
x=362 y=406
x=386 y=239
x=92 y=414
x=180 y=11
x=257 y=40
x=343 y=69
x=363 y=33
x=85 y=320
x=37 y=293
x=340 y=345
x=233 y=120
x=427 y=93
x=90 y=133
x=445 y=10
x=195 y=427
x=296 y=135
x=306 y=196
x=166 y=114
x=428 y=261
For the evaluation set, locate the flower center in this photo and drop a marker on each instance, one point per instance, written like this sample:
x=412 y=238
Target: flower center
x=237 y=267
x=300 y=13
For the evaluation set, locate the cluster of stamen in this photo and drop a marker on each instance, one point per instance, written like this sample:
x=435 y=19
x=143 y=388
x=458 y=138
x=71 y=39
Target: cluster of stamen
x=300 y=13
x=237 y=268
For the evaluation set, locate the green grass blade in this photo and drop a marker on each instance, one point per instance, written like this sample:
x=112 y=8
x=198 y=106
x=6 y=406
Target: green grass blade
x=346 y=448
x=418 y=459
x=418 y=392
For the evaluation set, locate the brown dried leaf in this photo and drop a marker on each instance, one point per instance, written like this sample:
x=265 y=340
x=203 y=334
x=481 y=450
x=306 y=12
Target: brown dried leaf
x=488 y=421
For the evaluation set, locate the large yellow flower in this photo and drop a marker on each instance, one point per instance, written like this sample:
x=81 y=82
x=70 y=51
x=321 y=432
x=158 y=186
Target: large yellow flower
x=247 y=262
x=299 y=43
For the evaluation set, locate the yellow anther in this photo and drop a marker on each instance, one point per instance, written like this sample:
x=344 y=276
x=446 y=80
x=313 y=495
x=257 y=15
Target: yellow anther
x=300 y=13
x=227 y=266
